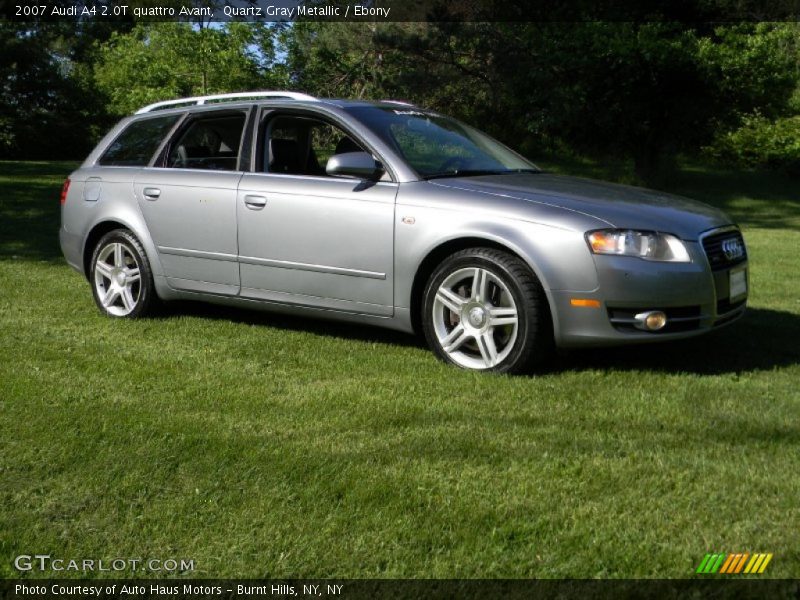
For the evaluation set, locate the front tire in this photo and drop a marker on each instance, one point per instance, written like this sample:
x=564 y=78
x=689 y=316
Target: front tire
x=122 y=283
x=485 y=310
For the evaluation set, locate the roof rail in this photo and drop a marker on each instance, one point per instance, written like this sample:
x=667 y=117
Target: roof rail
x=401 y=102
x=197 y=100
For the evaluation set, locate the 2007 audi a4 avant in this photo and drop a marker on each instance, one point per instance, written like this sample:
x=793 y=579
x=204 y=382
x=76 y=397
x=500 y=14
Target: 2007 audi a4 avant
x=390 y=214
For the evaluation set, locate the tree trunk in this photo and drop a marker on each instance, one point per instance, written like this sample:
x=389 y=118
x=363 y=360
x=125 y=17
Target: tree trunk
x=654 y=162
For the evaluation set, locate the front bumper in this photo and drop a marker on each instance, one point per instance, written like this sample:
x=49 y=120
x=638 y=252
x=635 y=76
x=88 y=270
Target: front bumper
x=695 y=298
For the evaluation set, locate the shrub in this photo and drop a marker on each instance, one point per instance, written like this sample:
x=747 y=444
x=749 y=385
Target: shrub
x=761 y=142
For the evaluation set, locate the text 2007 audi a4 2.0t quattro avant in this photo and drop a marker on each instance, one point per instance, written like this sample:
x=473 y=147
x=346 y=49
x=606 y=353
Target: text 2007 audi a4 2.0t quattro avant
x=392 y=215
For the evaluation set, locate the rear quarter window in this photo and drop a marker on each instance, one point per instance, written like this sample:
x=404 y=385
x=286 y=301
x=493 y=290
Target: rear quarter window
x=135 y=146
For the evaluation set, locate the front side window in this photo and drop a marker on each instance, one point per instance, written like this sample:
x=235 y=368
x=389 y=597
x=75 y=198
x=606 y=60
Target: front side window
x=210 y=143
x=302 y=145
x=135 y=146
x=437 y=146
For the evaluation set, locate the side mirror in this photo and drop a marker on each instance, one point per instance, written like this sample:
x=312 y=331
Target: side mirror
x=354 y=164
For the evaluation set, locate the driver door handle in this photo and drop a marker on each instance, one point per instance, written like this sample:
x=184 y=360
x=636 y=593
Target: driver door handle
x=151 y=193
x=255 y=202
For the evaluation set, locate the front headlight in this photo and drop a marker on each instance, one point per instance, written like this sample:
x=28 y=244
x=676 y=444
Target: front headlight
x=650 y=245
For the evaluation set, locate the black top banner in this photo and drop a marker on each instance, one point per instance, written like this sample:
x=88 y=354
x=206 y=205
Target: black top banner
x=209 y=11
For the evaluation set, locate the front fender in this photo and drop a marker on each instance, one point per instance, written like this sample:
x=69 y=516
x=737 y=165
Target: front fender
x=559 y=257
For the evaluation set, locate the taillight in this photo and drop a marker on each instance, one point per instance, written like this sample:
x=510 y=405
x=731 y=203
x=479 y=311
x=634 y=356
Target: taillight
x=64 y=192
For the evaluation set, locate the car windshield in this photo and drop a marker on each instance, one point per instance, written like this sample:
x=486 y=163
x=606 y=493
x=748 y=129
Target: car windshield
x=437 y=146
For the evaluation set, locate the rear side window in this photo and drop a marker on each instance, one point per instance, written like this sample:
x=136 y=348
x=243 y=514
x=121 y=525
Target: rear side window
x=209 y=143
x=135 y=146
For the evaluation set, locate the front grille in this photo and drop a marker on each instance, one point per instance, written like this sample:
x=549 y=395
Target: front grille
x=715 y=247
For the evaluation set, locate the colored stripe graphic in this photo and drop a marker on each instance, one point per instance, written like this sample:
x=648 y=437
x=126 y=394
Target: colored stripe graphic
x=731 y=564
x=715 y=567
x=728 y=563
x=740 y=564
x=753 y=561
x=760 y=560
x=703 y=563
x=765 y=563
x=710 y=563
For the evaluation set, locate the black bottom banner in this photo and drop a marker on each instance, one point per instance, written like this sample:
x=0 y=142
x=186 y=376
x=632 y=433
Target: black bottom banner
x=357 y=589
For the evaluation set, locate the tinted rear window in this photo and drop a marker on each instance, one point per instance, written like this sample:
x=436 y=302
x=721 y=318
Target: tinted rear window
x=211 y=142
x=135 y=146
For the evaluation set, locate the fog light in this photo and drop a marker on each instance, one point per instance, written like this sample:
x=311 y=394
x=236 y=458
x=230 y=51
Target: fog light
x=651 y=321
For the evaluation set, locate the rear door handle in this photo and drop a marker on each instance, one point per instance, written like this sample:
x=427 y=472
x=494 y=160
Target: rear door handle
x=255 y=202
x=151 y=193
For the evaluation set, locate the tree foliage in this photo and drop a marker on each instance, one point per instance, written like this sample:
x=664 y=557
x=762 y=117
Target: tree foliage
x=173 y=60
x=761 y=142
x=639 y=90
x=49 y=107
x=643 y=91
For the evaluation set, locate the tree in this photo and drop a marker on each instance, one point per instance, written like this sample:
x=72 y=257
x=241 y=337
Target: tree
x=337 y=59
x=171 y=60
x=644 y=91
x=48 y=105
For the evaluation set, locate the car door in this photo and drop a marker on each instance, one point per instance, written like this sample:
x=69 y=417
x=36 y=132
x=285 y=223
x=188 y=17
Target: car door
x=188 y=199
x=307 y=238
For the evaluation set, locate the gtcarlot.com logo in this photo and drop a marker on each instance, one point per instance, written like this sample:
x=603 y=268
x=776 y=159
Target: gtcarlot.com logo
x=736 y=563
x=46 y=562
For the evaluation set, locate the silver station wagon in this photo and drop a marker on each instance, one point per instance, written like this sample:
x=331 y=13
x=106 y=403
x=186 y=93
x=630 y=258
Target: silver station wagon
x=387 y=214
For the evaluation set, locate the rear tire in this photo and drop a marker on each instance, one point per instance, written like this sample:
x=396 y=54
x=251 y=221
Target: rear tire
x=485 y=310
x=122 y=282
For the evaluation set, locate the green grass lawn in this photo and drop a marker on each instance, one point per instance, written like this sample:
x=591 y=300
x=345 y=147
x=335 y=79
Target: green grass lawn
x=264 y=446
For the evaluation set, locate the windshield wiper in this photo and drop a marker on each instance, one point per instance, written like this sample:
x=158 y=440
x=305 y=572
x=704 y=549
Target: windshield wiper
x=477 y=172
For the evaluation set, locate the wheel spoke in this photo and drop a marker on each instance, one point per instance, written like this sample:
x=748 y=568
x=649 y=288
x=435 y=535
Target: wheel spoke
x=480 y=282
x=450 y=299
x=502 y=316
x=103 y=268
x=132 y=275
x=127 y=299
x=111 y=295
x=488 y=348
x=119 y=257
x=454 y=339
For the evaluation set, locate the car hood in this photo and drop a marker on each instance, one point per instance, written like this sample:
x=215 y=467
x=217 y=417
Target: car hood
x=620 y=206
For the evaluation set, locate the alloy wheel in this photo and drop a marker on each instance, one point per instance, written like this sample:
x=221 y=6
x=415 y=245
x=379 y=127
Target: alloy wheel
x=475 y=318
x=117 y=279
